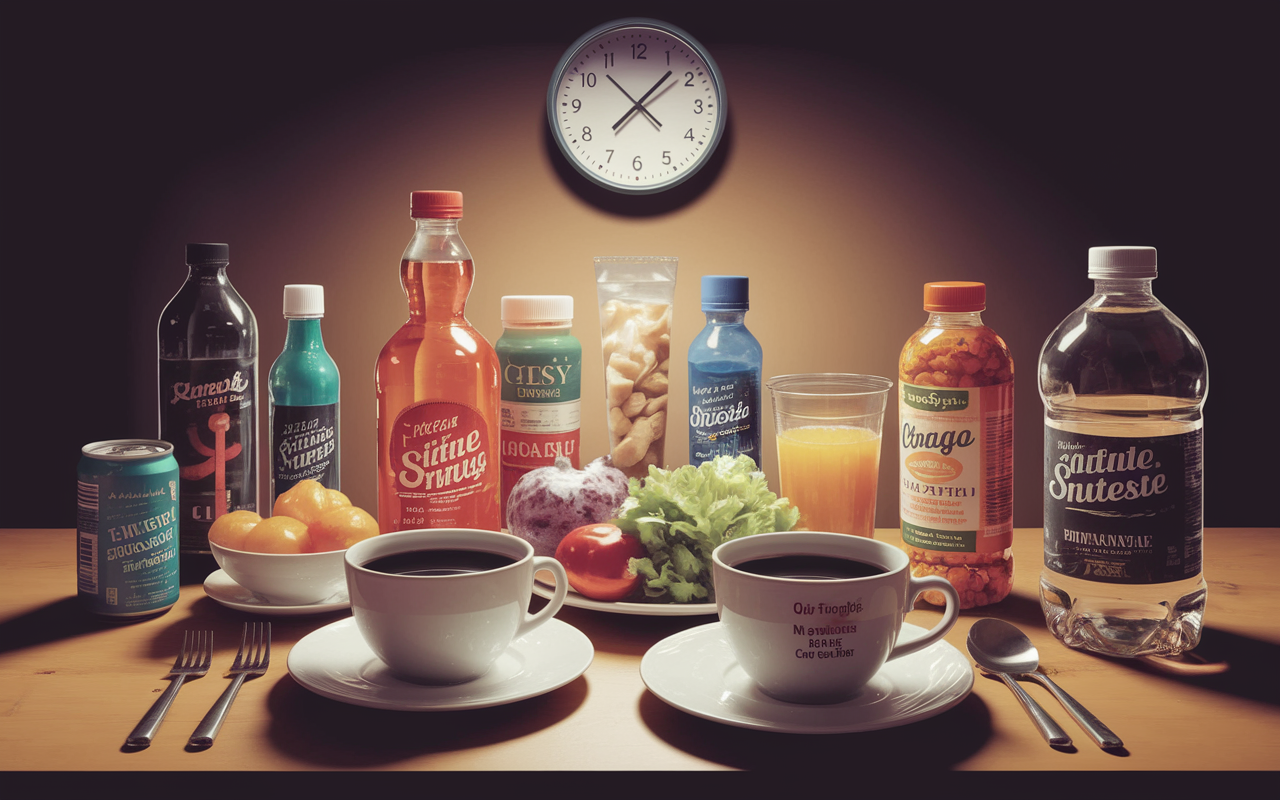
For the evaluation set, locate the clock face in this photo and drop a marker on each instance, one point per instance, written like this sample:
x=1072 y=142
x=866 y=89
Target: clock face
x=637 y=106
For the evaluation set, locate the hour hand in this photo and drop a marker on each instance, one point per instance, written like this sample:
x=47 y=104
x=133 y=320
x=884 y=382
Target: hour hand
x=635 y=105
x=640 y=103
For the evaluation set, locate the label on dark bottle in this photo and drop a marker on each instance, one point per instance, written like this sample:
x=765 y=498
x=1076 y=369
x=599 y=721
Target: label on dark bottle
x=1123 y=509
x=724 y=414
x=304 y=446
x=207 y=413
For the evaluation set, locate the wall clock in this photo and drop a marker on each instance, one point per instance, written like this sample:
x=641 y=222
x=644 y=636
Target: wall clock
x=636 y=105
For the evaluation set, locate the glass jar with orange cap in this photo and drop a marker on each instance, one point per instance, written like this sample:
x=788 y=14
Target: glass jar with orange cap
x=955 y=411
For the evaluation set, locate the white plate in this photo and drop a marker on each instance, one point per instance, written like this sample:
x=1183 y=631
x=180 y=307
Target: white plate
x=335 y=662
x=221 y=588
x=575 y=600
x=696 y=672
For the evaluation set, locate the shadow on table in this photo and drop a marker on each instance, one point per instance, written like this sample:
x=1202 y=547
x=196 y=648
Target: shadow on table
x=1224 y=661
x=936 y=743
x=333 y=735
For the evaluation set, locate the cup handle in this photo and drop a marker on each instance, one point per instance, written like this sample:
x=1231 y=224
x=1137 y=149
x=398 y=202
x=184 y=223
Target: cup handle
x=949 y=615
x=548 y=611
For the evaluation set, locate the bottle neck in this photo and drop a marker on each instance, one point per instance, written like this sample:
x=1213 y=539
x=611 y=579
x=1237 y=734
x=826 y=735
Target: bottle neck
x=536 y=328
x=436 y=272
x=954 y=319
x=1130 y=292
x=726 y=317
x=208 y=273
x=303 y=333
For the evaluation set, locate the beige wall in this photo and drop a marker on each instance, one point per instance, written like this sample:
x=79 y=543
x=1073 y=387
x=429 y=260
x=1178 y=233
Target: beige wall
x=839 y=196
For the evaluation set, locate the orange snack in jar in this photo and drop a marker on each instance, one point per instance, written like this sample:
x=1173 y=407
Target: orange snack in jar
x=956 y=447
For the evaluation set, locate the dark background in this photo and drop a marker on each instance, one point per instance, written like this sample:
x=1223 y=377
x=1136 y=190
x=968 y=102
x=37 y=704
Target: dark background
x=1153 y=123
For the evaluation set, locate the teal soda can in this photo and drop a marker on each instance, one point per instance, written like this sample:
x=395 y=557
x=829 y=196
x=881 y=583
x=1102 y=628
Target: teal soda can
x=127 y=528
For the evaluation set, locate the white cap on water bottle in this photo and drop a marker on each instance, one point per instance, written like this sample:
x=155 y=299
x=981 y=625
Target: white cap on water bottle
x=532 y=308
x=303 y=301
x=1122 y=262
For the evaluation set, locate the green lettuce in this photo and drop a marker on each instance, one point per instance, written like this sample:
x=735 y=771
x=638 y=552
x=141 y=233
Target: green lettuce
x=681 y=515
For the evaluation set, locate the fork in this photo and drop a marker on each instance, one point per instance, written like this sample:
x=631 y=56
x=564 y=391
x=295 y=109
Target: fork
x=194 y=660
x=253 y=659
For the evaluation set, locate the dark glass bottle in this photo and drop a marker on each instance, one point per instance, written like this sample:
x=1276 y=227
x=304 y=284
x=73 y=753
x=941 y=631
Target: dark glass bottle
x=208 y=360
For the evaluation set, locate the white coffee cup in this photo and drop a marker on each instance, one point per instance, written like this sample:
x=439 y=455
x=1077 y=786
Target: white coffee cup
x=447 y=628
x=818 y=640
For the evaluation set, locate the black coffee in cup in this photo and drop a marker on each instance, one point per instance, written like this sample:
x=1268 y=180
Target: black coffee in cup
x=439 y=562
x=809 y=567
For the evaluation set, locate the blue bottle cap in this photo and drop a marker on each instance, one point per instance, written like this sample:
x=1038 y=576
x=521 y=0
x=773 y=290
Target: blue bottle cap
x=724 y=293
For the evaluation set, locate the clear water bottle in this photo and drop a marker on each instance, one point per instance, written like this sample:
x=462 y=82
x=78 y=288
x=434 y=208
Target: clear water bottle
x=724 y=376
x=208 y=361
x=1123 y=383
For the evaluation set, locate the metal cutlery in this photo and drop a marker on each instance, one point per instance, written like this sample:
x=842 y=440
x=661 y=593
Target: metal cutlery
x=192 y=661
x=252 y=660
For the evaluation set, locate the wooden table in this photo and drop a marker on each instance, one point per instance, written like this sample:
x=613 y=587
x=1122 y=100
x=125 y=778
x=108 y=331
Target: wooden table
x=72 y=687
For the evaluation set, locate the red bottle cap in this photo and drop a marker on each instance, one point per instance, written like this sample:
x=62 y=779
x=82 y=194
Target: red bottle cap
x=955 y=296
x=435 y=205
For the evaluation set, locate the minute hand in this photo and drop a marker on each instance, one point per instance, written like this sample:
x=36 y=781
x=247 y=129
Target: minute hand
x=634 y=103
x=640 y=102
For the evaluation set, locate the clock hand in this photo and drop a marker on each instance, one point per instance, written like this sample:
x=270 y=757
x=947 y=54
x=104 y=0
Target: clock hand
x=640 y=102
x=635 y=105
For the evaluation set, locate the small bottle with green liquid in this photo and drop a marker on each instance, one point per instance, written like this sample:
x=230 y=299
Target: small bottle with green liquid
x=304 y=389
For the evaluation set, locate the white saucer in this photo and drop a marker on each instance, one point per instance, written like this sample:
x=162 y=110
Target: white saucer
x=696 y=672
x=221 y=588
x=575 y=600
x=335 y=662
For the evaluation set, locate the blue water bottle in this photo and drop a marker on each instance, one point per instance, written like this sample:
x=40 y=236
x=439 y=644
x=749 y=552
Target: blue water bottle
x=724 y=376
x=304 y=398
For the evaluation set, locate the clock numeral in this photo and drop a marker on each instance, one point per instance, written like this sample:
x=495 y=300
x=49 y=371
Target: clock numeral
x=636 y=165
x=697 y=106
x=666 y=156
x=688 y=79
x=610 y=158
x=689 y=134
x=608 y=60
x=638 y=54
x=577 y=105
x=586 y=133
x=589 y=79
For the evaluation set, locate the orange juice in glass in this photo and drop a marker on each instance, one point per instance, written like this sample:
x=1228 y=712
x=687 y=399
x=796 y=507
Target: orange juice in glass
x=828 y=429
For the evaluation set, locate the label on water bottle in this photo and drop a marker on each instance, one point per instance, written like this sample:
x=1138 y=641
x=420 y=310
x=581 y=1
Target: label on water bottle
x=724 y=414
x=1123 y=509
x=304 y=446
x=207 y=411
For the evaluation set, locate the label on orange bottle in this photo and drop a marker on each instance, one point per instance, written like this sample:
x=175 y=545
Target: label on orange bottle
x=444 y=478
x=956 y=450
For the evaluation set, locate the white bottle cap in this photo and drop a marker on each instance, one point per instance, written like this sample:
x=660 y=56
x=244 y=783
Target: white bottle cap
x=303 y=301
x=1122 y=262
x=527 y=308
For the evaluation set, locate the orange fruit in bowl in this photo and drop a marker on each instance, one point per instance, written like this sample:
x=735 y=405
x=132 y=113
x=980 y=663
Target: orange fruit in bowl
x=230 y=530
x=307 y=501
x=340 y=528
x=279 y=534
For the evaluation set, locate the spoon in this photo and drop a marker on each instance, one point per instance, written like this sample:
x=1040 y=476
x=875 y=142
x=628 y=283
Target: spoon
x=1002 y=649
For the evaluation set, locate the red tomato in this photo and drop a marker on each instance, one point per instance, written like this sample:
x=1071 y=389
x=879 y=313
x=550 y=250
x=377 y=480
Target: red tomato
x=596 y=558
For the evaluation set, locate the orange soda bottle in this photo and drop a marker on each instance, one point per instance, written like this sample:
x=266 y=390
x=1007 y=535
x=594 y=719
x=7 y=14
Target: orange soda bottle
x=437 y=388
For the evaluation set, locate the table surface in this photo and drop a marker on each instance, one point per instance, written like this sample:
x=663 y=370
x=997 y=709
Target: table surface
x=73 y=686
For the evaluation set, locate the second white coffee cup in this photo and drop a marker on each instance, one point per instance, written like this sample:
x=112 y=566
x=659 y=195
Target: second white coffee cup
x=440 y=606
x=811 y=617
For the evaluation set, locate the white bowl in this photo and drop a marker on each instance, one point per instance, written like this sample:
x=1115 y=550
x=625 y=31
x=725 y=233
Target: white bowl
x=285 y=579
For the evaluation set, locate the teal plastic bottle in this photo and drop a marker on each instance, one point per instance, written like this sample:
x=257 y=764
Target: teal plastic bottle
x=304 y=389
x=724 y=376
